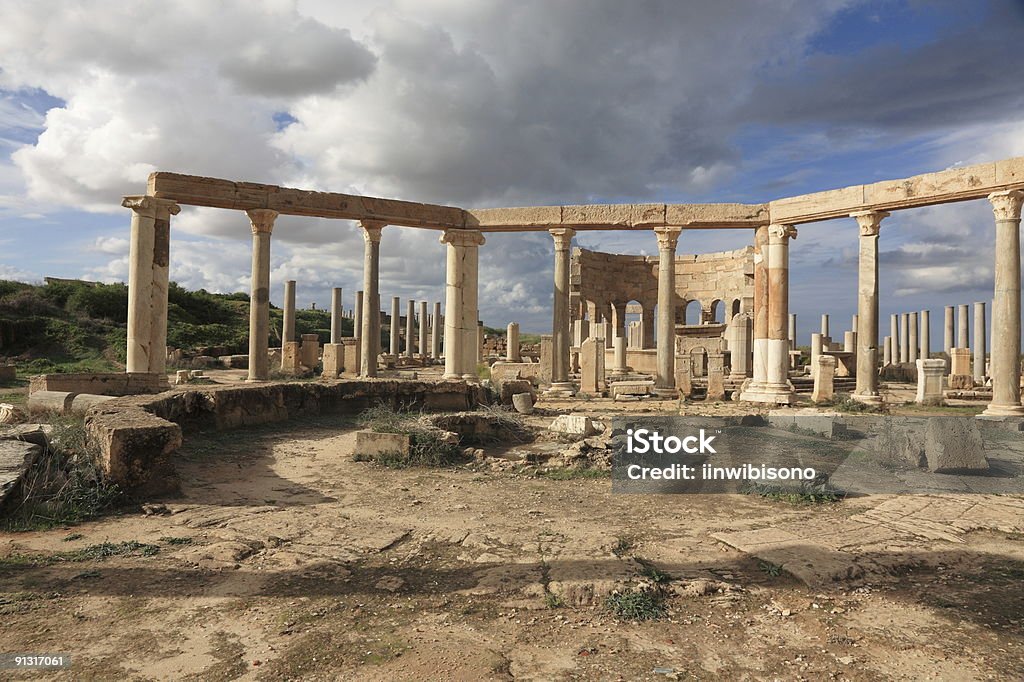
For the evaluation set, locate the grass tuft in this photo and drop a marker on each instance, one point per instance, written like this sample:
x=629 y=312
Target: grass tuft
x=636 y=605
x=427 y=444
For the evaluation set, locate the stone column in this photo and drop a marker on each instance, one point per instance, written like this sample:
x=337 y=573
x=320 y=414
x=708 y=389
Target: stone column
x=410 y=328
x=618 y=320
x=947 y=330
x=148 y=261
x=435 y=332
x=1005 y=368
x=512 y=343
x=963 y=315
x=792 y=331
x=894 y=334
x=424 y=347
x=394 y=337
x=817 y=346
x=288 y=318
x=904 y=327
x=336 y=315
x=869 y=224
x=824 y=325
x=887 y=351
x=777 y=387
x=925 y=335
x=262 y=222
x=854 y=323
x=912 y=342
x=979 y=343
x=560 y=383
x=370 y=339
x=357 y=316
x=665 y=379
x=621 y=367
x=760 y=312
x=460 y=313
x=647 y=326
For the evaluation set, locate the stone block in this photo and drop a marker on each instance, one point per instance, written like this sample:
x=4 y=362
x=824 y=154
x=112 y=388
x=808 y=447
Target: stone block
x=83 y=402
x=960 y=361
x=577 y=425
x=824 y=378
x=333 y=360
x=523 y=403
x=135 y=450
x=545 y=358
x=371 y=443
x=350 y=367
x=954 y=445
x=16 y=457
x=592 y=358
x=291 y=357
x=309 y=352
x=931 y=375
x=50 y=401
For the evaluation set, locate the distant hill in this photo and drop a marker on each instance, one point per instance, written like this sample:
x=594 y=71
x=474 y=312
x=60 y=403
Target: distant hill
x=77 y=326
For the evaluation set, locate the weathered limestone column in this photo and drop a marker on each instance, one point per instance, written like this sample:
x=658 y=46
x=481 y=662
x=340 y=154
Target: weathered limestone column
x=665 y=378
x=618 y=320
x=792 y=331
x=370 y=340
x=394 y=338
x=849 y=342
x=886 y=351
x=148 y=275
x=357 y=316
x=410 y=328
x=824 y=325
x=817 y=346
x=560 y=383
x=435 y=332
x=512 y=343
x=288 y=318
x=777 y=387
x=1005 y=368
x=912 y=342
x=460 y=313
x=760 y=312
x=424 y=348
x=979 y=343
x=869 y=224
x=647 y=326
x=894 y=334
x=964 y=322
x=904 y=337
x=854 y=323
x=262 y=222
x=336 y=315
x=947 y=330
x=925 y=335
x=620 y=367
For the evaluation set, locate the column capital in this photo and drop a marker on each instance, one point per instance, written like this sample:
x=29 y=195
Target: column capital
x=261 y=220
x=372 y=229
x=562 y=236
x=668 y=237
x=869 y=222
x=1007 y=205
x=778 y=232
x=148 y=205
x=462 y=237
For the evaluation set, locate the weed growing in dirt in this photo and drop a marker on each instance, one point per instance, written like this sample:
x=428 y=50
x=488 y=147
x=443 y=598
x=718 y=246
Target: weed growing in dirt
x=168 y=540
x=636 y=605
x=428 y=446
x=804 y=494
x=91 y=553
x=845 y=403
x=652 y=572
x=623 y=546
x=773 y=570
x=64 y=486
x=553 y=601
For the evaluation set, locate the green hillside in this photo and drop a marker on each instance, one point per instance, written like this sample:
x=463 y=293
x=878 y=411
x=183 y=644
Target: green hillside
x=69 y=326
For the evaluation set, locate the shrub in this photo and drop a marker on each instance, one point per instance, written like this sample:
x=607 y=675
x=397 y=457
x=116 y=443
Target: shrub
x=428 y=445
x=636 y=605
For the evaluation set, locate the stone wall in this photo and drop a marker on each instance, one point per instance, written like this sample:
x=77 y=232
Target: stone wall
x=137 y=436
x=105 y=383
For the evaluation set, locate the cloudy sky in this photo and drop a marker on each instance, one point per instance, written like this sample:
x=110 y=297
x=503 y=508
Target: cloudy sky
x=496 y=103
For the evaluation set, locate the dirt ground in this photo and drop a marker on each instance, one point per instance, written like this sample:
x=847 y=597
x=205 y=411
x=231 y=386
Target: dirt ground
x=285 y=559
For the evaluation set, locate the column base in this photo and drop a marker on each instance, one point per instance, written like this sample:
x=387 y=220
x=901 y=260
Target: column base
x=867 y=398
x=561 y=389
x=256 y=381
x=451 y=377
x=667 y=393
x=774 y=395
x=1003 y=411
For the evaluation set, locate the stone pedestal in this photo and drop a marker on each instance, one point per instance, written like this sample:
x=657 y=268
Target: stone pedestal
x=333 y=360
x=824 y=372
x=291 y=357
x=350 y=365
x=960 y=366
x=310 y=350
x=930 y=381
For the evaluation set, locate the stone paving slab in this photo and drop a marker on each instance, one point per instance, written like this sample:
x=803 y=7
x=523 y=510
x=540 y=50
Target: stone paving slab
x=15 y=459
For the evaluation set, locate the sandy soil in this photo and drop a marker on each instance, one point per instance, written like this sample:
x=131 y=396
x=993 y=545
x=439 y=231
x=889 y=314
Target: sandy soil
x=285 y=559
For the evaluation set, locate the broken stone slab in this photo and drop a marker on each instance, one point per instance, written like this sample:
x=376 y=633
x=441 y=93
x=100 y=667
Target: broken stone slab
x=954 y=445
x=29 y=433
x=827 y=424
x=573 y=425
x=83 y=402
x=9 y=414
x=16 y=457
x=373 y=443
x=624 y=389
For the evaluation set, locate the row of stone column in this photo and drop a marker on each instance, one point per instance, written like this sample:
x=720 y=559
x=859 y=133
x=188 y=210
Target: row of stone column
x=429 y=343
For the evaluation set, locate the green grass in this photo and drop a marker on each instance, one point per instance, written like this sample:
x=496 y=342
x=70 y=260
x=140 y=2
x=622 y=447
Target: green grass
x=553 y=601
x=636 y=605
x=770 y=569
x=845 y=403
x=168 y=540
x=98 y=552
x=805 y=494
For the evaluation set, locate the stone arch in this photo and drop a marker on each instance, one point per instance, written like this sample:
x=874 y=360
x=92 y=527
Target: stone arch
x=689 y=312
x=735 y=308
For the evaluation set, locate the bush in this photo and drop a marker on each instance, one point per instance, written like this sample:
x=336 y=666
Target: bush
x=428 y=445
